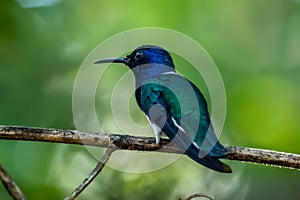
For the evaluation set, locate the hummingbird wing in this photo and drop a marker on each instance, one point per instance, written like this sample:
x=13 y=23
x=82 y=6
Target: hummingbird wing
x=205 y=135
x=178 y=108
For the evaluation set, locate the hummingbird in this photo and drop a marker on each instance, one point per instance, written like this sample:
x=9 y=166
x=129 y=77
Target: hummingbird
x=173 y=105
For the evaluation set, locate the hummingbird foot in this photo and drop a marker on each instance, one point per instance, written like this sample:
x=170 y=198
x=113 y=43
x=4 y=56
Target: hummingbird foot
x=157 y=137
x=157 y=131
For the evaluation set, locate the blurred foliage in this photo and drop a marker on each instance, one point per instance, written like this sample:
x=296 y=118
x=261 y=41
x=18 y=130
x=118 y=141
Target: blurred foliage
x=255 y=44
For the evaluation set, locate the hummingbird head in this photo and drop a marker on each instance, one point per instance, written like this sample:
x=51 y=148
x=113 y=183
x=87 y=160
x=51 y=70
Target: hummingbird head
x=146 y=54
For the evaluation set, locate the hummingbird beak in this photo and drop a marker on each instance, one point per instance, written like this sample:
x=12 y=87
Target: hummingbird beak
x=112 y=60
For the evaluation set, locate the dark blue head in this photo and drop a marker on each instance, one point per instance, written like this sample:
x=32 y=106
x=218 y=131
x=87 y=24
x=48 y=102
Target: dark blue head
x=146 y=54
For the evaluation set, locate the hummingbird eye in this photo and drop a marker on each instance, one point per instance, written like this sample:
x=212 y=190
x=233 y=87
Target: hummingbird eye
x=138 y=55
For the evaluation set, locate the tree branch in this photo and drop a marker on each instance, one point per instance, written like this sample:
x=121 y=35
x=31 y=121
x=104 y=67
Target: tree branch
x=10 y=185
x=126 y=142
x=199 y=195
x=110 y=149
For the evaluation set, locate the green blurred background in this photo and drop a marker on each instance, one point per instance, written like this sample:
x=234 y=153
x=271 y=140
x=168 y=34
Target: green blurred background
x=255 y=44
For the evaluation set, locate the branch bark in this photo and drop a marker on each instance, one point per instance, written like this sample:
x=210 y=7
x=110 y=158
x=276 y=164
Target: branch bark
x=10 y=185
x=199 y=195
x=126 y=142
x=93 y=174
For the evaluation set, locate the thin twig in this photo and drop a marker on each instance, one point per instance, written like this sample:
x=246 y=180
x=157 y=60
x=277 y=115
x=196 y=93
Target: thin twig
x=199 y=195
x=10 y=185
x=127 y=142
x=93 y=174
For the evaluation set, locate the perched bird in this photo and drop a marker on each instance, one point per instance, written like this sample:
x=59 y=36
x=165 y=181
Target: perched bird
x=173 y=105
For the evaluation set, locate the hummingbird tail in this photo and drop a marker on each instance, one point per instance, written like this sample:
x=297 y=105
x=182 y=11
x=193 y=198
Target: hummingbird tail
x=215 y=164
x=210 y=162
